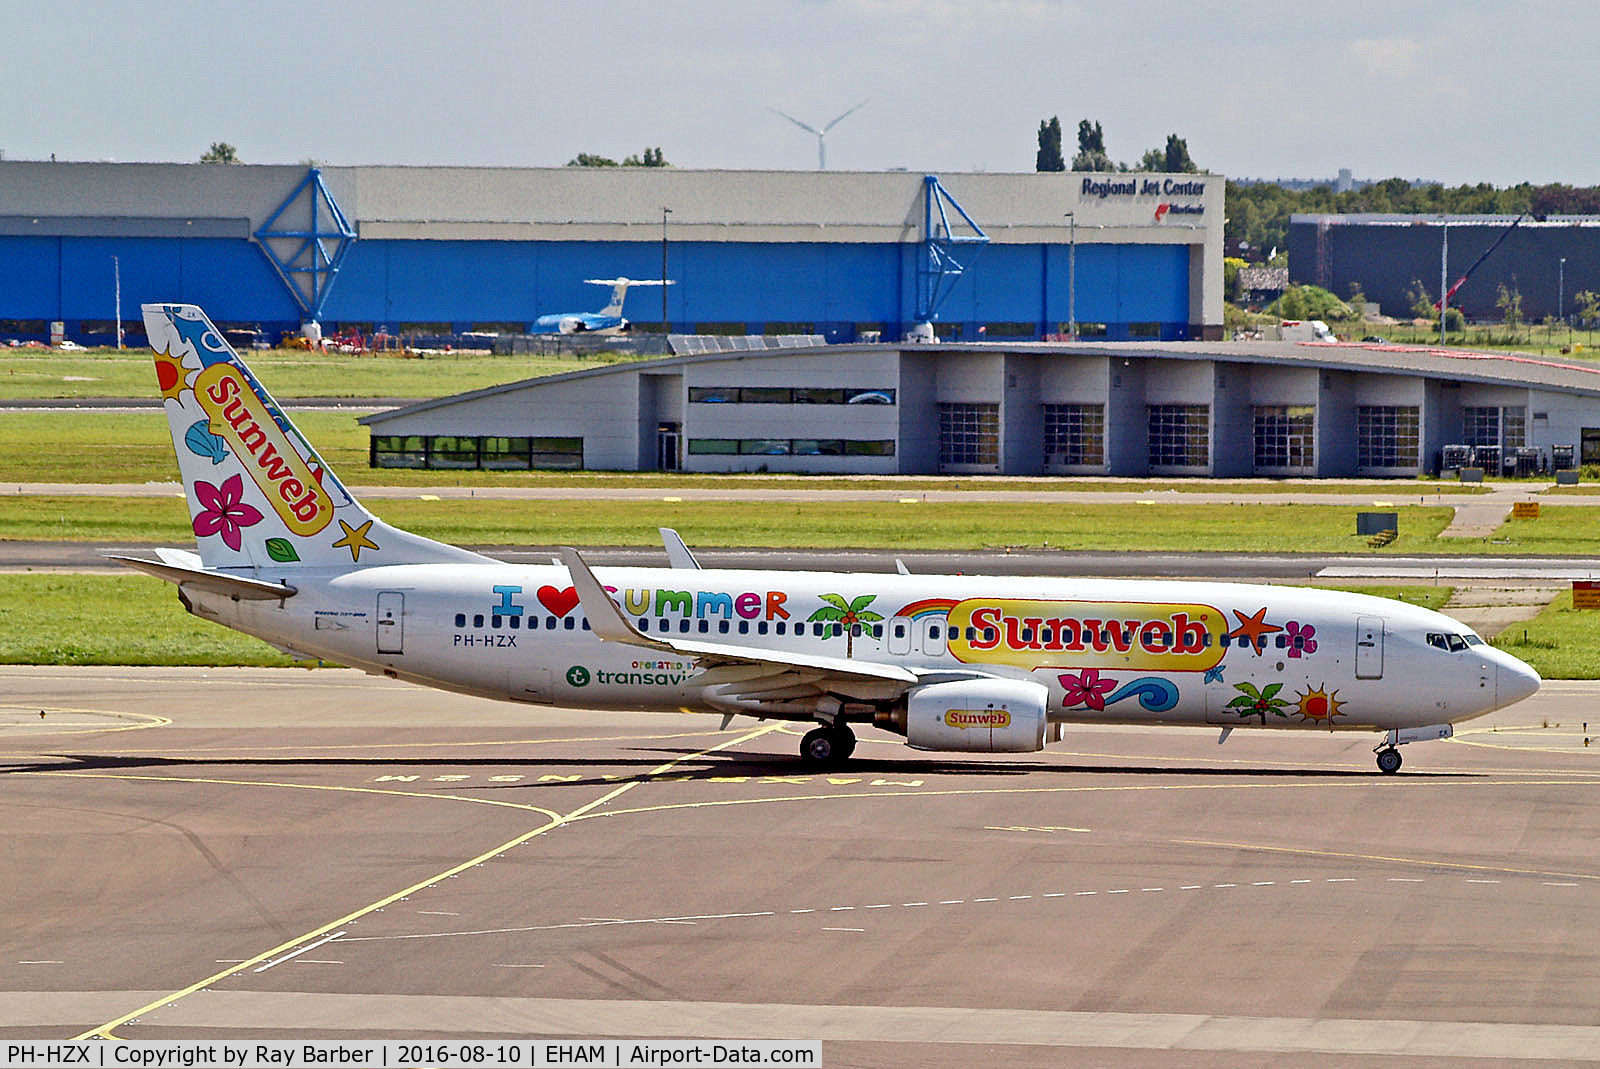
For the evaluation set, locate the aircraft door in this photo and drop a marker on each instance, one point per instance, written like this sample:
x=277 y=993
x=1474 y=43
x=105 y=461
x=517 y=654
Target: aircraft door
x=391 y=621
x=1369 y=648
x=900 y=636
x=931 y=636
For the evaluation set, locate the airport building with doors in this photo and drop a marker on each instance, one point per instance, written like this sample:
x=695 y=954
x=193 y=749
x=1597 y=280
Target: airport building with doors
x=1223 y=409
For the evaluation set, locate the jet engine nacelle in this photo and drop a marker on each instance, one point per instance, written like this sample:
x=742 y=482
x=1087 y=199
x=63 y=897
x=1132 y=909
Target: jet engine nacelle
x=977 y=716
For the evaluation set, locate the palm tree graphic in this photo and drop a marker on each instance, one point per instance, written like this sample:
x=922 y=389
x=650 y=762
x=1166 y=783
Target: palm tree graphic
x=850 y=614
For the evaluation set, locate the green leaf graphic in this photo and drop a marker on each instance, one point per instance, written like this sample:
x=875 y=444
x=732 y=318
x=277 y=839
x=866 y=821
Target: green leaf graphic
x=281 y=550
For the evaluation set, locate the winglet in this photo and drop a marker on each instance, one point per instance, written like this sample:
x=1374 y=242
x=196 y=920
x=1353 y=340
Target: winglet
x=678 y=554
x=605 y=619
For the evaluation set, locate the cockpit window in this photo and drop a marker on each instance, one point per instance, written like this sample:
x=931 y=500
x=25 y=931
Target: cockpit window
x=1449 y=643
x=1472 y=640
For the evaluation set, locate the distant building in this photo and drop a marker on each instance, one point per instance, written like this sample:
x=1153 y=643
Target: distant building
x=1388 y=254
x=1262 y=285
x=454 y=249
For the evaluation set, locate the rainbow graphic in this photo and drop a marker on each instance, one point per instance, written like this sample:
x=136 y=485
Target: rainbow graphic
x=928 y=607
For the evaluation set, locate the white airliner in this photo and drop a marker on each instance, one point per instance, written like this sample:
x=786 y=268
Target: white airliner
x=606 y=321
x=964 y=663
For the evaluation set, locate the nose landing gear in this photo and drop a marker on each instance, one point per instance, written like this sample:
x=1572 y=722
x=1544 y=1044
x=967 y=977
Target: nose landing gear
x=1389 y=756
x=826 y=747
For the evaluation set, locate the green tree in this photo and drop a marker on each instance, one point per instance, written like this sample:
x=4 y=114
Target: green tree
x=1049 y=156
x=652 y=157
x=1510 y=304
x=1422 y=305
x=1309 y=302
x=1177 y=156
x=1231 y=266
x=1152 y=160
x=586 y=159
x=220 y=152
x=1588 y=302
x=1091 y=149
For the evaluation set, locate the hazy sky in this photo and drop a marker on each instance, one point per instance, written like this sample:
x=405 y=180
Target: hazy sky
x=1460 y=91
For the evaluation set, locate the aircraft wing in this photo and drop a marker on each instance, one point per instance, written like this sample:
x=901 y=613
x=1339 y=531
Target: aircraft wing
x=610 y=625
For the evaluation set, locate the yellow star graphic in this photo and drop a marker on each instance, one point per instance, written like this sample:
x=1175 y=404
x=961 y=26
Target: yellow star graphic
x=355 y=539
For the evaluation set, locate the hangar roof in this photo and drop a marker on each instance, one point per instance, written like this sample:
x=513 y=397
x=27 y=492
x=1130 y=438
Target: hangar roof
x=1494 y=369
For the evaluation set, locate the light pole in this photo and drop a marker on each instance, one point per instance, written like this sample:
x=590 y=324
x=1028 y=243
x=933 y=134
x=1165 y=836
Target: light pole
x=116 y=274
x=1072 y=277
x=1561 y=290
x=1444 y=275
x=665 y=211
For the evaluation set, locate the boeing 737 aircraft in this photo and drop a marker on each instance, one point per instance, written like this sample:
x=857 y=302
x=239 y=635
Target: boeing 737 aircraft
x=962 y=663
x=606 y=321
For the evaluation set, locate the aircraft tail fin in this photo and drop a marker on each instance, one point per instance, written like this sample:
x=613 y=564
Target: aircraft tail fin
x=619 y=290
x=259 y=495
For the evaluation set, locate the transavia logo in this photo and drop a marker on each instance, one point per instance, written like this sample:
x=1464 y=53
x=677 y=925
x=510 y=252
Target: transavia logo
x=578 y=676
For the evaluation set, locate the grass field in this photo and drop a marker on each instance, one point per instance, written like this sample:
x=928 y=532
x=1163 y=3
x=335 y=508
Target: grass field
x=812 y=524
x=45 y=373
x=1560 y=643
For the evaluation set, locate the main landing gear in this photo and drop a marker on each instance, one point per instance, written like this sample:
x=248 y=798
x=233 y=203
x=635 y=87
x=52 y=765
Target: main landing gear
x=1388 y=759
x=826 y=746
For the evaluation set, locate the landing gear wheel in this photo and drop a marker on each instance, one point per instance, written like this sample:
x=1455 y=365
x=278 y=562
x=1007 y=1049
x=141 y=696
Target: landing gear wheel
x=844 y=742
x=819 y=747
x=1388 y=760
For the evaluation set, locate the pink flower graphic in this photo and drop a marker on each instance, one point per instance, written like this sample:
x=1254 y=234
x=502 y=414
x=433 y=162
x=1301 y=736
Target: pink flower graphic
x=1301 y=641
x=222 y=511
x=1087 y=689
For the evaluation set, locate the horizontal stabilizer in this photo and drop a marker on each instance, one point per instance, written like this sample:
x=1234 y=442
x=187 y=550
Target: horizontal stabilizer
x=233 y=586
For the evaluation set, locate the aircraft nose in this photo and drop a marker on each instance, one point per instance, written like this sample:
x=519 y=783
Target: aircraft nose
x=1514 y=680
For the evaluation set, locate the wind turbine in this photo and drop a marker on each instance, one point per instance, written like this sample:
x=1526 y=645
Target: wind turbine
x=822 y=148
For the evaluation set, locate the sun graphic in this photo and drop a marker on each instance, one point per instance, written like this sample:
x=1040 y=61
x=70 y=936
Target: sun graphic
x=172 y=377
x=1319 y=705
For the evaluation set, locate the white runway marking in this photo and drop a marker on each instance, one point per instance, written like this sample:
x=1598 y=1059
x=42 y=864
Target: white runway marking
x=296 y=953
x=693 y=919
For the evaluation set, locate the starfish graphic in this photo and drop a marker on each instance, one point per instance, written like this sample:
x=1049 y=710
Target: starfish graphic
x=1214 y=675
x=1253 y=628
x=355 y=540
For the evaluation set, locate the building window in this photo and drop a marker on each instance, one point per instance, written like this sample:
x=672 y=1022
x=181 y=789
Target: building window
x=1074 y=434
x=1514 y=426
x=503 y=454
x=452 y=451
x=1480 y=425
x=1388 y=436
x=399 y=451
x=1285 y=437
x=556 y=452
x=969 y=434
x=790 y=395
x=1180 y=436
x=1488 y=425
x=800 y=447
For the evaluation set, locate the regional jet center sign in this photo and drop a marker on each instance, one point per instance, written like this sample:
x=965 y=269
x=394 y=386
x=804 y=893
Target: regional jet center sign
x=1135 y=186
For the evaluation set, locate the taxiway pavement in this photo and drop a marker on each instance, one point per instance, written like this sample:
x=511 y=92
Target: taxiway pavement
x=265 y=853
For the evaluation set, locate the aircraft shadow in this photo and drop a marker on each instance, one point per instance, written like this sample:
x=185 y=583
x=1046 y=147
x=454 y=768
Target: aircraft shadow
x=712 y=766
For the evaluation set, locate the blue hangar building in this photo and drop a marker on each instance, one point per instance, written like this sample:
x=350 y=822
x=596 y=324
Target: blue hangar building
x=848 y=255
